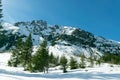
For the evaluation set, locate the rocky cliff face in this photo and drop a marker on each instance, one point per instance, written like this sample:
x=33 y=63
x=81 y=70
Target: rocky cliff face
x=61 y=39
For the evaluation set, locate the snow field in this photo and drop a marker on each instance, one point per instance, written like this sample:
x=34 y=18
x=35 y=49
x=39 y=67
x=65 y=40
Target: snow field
x=104 y=72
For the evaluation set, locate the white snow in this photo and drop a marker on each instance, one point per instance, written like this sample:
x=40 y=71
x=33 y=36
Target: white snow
x=10 y=27
x=24 y=30
x=60 y=49
x=68 y=30
x=104 y=72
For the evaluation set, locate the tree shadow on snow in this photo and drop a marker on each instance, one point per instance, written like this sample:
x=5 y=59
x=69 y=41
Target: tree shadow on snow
x=80 y=75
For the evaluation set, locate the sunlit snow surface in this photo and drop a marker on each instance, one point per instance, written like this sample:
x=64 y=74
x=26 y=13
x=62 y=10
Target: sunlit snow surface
x=10 y=28
x=105 y=72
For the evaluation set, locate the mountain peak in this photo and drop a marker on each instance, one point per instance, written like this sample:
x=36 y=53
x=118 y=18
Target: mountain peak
x=63 y=39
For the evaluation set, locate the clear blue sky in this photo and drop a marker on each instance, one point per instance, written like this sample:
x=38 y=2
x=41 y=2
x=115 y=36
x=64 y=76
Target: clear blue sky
x=101 y=17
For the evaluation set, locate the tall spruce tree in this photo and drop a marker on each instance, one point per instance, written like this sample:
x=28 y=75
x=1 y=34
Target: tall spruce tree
x=2 y=32
x=27 y=53
x=63 y=62
x=16 y=56
x=1 y=15
x=41 y=59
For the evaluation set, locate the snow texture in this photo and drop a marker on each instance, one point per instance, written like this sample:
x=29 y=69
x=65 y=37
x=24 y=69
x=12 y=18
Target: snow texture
x=104 y=72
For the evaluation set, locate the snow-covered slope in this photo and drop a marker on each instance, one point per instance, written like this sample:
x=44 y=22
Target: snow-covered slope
x=63 y=40
x=10 y=28
x=104 y=72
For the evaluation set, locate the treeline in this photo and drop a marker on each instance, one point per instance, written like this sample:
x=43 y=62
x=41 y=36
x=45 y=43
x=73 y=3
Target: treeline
x=111 y=58
x=22 y=56
x=42 y=60
x=38 y=62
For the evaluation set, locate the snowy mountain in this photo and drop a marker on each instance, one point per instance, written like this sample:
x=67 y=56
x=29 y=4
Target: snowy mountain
x=61 y=39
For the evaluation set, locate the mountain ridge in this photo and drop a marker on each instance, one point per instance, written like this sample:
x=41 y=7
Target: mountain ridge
x=61 y=39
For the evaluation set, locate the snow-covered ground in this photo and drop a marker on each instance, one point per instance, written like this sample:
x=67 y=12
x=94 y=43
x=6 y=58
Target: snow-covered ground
x=105 y=72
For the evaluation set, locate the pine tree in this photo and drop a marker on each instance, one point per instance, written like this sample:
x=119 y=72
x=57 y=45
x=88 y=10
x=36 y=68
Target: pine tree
x=63 y=62
x=3 y=37
x=45 y=55
x=37 y=61
x=13 y=60
x=73 y=63
x=82 y=59
x=27 y=53
x=16 y=56
x=1 y=15
x=41 y=58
